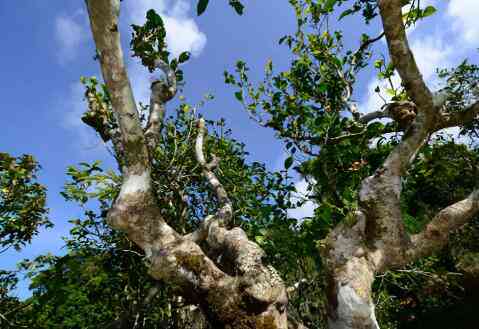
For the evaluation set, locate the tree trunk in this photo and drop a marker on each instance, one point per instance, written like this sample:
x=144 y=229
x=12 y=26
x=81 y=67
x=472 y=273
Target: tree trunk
x=349 y=296
x=247 y=294
x=351 y=271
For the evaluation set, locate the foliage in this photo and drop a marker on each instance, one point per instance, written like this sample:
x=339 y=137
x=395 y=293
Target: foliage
x=310 y=107
x=462 y=88
x=102 y=279
x=203 y=4
x=22 y=212
x=22 y=201
x=148 y=42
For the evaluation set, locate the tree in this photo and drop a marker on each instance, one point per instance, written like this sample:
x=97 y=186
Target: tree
x=22 y=213
x=103 y=278
x=246 y=293
x=362 y=188
x=383 y=203
x=22 y=201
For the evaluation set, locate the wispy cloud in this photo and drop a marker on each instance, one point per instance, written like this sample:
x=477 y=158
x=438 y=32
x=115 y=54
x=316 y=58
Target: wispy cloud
x=183 y=34
x=463 y=17
x=70 y=33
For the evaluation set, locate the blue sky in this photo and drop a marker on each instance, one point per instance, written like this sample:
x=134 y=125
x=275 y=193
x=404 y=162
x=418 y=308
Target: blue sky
x=47 y=46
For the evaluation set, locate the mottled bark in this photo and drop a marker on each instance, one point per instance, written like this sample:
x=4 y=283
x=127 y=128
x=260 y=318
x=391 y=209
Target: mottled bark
x=376 y=239
x=458 y=118
x=162 y=91
x=436 y=233
x=351 y=267
x=244 y=294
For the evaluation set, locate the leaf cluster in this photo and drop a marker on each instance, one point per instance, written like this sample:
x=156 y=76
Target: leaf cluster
x=22 y=201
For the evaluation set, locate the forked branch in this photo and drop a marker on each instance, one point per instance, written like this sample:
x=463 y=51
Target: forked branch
x=436 y=234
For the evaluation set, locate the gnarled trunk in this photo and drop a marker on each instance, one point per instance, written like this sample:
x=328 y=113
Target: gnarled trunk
x=351 y=271
x=246 y=294
x=349 y=296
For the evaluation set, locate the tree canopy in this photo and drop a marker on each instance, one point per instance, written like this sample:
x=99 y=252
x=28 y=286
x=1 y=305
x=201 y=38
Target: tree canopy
x=188 y=233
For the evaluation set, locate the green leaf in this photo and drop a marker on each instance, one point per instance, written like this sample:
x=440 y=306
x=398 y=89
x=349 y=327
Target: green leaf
x=237 y=6
x=288 y=162
x=428 y=11
x=329 y=5
x=268 y=67
x=184 y=56
x=323 y=87
x=346 y=13
x=154 y=18
x=201 y=7
x=239 y=95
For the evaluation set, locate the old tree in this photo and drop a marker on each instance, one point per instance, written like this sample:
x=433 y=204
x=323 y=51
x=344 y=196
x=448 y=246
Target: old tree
x=189 y=234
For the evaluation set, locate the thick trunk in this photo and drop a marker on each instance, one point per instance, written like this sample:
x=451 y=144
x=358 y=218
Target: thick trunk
x=349 y=296
x=351 y=269
x=247 y=294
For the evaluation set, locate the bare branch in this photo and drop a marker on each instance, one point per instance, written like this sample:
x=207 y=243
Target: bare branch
x=369 y=42
x=246 y=255
x=402 y=56
x=162 y=91
x=459 y=118
x=368 y=117
x=436 y=234
x=225 y=211
x=226 y=208
x=340 y=138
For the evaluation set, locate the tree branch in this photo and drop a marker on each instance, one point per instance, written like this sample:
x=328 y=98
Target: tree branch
x=368 y=117
x=226 y=298
x=459 y=118
x=436 y=234
x=380 y=193
x=104 y=25
x=136 y=211
x=225 y=211
x=370 y=41
x=402 y=56
x=161 y=92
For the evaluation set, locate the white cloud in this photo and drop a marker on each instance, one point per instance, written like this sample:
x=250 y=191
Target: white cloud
x=182 y=32
x=464 y=18
x=70 y=33
x=431 y=53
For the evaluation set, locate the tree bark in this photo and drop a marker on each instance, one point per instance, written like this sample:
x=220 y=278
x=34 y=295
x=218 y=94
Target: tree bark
x=350 y=296
x=248 y=295
x=377 y=241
